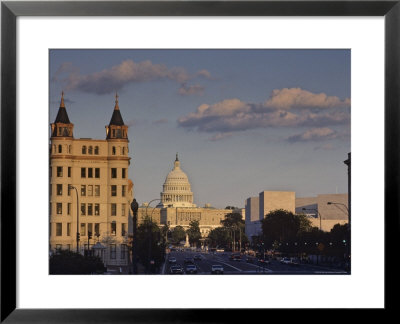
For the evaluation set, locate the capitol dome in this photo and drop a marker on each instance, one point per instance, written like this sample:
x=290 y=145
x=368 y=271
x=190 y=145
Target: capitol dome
x=176 y=188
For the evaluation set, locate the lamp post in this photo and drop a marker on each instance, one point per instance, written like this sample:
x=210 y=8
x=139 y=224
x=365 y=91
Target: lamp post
x=77 y=217
x=319 y=215
x=134 y=207
x=348 y=225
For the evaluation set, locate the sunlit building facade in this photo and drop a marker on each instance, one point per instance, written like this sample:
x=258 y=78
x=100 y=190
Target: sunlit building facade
x=90 y=191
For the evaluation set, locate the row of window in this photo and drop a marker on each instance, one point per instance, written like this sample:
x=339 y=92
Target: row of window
x=89 y=209
x=88 y=172
x=88 y=149
x=86 y=190
x=93 y=228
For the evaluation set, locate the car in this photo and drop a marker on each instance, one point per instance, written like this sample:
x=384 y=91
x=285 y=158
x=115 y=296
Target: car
x=176 y=269
x=172 y=260
x=250 y=260
x=237 y=258
x=188 y=260
x=198 y=257
x=294 y=262
x=191 y=268
x=263 y=261
x=285 y=261
x=217 y=268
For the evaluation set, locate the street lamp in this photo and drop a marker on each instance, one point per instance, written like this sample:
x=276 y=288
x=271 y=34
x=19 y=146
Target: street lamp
x=135 y=207
x=336 y=203
x=319 y=214
x=77 y=217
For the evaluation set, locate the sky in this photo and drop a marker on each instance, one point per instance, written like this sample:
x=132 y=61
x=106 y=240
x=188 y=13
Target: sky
x=241 y=121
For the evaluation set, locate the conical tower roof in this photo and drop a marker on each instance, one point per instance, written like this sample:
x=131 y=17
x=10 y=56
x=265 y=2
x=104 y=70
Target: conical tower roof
x=62 y=116
x=116 y=118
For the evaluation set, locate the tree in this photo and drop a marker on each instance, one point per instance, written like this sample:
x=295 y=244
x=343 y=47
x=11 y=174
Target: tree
x=149 y=245
x=235 y=226
x=69 y=262
x=194 y=232
x=283 y=226
x=219 y=237
x=178 y=234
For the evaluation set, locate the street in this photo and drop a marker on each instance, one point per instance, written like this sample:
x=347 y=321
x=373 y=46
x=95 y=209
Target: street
x=236 y=267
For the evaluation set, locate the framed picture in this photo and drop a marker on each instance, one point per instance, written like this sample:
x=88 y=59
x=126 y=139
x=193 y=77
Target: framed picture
x=56 y=46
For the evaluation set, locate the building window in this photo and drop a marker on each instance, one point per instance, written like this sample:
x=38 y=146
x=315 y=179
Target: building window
x=97 y=173
x=113 y=228
x=123 y=151
x=59 y=148
x=69 y=189
x=123 y=210
x=83 y=190
x=58 y=229
x=113 y=150
x=69 y=172
x=90 y=172
x=58 y=247
x=97 y=229
x=90 y=209
x=83 y=149
x=113 y=172
x=90 y=228
x=97 y=190
x=50 y=189
x=90 y=150
x=123 y=229
x=97 y=209
x=83 y=172
x=59 y=208
x=123 y=251
x=59 y=171
x=59 y=189
x=123 y=173
x=90 y=190
x=68 y=229
x=96 y=150
x=123 y=191
x=113 y=251
x=83 y=229
x=113 y=190
x=69 y=209
x=113 y=209
x=83 y=209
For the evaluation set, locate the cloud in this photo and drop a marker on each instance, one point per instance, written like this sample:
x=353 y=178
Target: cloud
x=118 y=76
x=205 y=74
x=314 y=134
x=220 y=136
x=298 y=98
x=232 y=115
x=186 y=90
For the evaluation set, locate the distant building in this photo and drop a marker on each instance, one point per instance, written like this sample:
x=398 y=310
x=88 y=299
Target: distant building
x=257 y=207
x=97 y=170
x=321 y=214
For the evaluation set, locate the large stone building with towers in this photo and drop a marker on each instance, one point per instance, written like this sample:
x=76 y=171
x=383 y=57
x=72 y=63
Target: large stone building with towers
x=90 y=191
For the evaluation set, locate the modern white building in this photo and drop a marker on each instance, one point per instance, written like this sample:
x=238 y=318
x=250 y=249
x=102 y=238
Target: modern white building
x=90 y=192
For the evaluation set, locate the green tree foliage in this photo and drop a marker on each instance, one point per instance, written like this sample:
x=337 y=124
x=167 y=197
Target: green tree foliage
x=68 y=262
x=178 y=234
x=283 y=226
x=194 y=232
x=219 y=237
x=150 y=246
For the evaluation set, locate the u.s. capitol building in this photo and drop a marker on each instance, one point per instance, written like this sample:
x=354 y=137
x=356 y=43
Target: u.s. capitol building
x=177 y=208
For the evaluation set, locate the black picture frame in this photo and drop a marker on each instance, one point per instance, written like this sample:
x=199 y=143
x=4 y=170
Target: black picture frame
x=10 y=10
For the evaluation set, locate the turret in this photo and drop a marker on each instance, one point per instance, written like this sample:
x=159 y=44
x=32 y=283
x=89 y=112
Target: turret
x=62 y=127
x=116 y=128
